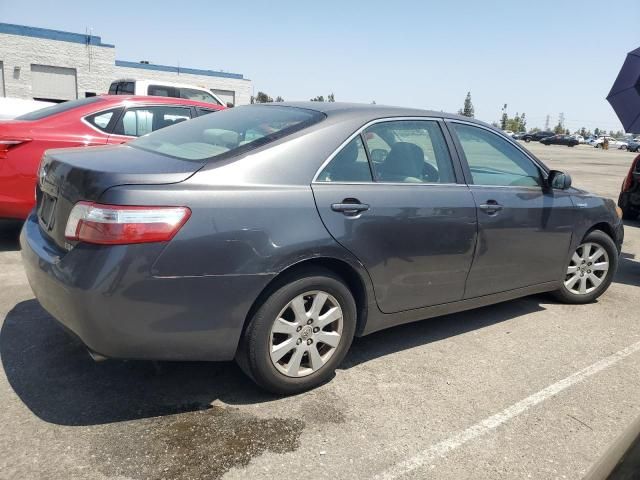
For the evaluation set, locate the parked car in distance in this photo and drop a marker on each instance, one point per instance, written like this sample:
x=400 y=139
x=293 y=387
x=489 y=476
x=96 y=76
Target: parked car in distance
x=579 y=138
x=633 y=145
x=519 y=135
x=537 y=136
x=130 y=86
x=508 y=133
x=567 y=140
x=13 y=107
x=597 y=142
x=629 y=199
x=274 y=233
x=107 y=119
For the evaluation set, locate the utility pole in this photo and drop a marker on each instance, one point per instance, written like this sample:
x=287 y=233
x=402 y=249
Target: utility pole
x=546 y=123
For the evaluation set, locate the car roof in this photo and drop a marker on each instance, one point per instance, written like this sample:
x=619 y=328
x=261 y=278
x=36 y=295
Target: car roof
x=373 y=111
x=161 y=83
x=117 y=99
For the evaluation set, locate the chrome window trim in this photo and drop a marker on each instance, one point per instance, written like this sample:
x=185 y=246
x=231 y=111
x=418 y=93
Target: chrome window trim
x=358 y=132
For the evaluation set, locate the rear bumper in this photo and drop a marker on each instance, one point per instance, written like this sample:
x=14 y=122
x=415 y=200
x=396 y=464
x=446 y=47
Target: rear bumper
x=108 y=298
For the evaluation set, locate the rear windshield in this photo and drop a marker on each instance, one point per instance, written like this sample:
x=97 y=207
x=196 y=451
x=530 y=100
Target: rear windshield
x=59 y=108
x=227 y=132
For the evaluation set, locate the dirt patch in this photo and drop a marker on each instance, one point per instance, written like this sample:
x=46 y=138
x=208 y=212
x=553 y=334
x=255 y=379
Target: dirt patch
x=195 y=445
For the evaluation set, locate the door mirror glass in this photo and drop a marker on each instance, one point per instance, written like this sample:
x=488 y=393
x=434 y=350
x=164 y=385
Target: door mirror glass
x=559 y=180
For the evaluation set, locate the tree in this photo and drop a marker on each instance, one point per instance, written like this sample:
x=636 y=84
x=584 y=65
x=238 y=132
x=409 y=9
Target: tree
x=467 y=110
x=505 y=118
x=279 y=99
x=318 y=99
x=596 y=132
x=331 y=97
x=523 y=123
x=261 y=97
x=583 y=132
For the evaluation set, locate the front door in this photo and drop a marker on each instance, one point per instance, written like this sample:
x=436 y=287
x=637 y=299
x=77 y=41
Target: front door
x=524 y=228
x=391 y=198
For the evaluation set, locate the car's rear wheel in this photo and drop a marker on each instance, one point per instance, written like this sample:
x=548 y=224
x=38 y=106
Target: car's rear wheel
x=300 y=333
x=590 y=270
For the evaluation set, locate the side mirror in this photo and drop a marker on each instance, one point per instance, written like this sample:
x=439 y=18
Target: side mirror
x=559 y=180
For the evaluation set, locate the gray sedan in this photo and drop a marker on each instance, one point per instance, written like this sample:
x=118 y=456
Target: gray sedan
x=273 y=234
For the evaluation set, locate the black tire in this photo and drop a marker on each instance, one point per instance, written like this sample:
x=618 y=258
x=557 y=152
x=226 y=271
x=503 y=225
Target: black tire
x=253 y=355
x=600 y=238
x=527 y=140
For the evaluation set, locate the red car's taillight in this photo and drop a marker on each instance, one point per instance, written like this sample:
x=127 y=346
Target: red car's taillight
x=628 y=181
x=120 y=224
x=7 y=144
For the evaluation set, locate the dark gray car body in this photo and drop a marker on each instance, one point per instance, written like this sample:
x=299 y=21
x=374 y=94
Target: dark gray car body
x=420 y=251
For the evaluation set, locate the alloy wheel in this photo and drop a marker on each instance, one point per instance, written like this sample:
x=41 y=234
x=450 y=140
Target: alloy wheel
x=588 y=269
x=306 y=333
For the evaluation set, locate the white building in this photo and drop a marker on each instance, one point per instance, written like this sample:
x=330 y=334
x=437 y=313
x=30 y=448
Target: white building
x=38 y=63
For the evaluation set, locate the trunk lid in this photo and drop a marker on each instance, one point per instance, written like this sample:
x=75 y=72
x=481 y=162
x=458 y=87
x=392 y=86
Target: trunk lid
x=67 y=176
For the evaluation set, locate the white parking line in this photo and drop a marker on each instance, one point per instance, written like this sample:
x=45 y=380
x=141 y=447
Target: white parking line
x=443 y=448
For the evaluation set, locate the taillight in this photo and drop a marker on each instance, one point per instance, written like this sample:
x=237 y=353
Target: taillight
x=628 y=181
x=7 y=144
x=121 y=224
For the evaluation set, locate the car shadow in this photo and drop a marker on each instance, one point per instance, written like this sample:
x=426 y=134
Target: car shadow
x=628 y=270
x=9 y=233
x=55 y=378
x=404 y=337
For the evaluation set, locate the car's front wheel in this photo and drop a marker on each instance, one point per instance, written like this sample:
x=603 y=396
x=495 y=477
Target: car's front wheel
x=590 y=270
x=300 y=334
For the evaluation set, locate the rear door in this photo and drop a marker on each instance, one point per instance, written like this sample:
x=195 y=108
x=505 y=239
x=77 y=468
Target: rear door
x=524 y=228
x=140 y=120
x=391 y=196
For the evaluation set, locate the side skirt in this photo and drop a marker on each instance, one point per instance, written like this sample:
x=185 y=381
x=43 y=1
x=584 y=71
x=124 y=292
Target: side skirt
x=379 y=321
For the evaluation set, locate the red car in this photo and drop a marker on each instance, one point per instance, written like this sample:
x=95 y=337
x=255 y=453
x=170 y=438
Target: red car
x=101 y=120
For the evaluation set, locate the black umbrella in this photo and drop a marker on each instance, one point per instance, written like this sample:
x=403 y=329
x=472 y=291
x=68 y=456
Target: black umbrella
x=624 y=96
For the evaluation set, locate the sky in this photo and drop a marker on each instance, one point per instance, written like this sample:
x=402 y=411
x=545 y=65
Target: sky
x=541 y=58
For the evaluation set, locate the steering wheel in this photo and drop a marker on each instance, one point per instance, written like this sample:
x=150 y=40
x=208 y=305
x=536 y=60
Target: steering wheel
x=429 y=173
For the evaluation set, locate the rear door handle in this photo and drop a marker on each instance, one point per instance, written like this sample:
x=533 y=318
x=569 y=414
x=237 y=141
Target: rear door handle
x=350 y=208
x=491 y=207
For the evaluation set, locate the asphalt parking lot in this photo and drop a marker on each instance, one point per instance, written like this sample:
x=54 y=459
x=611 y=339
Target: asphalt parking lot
x=525 y=389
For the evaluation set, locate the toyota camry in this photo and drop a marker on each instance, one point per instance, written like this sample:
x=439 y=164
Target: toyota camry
x=274 y=234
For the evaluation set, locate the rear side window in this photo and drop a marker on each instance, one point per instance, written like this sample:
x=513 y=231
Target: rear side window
x=104 y=120
x=409 y=151
x=349 y=165
x=142 y=120
x=228 y=132
x=199 y=95
x=59 y=108
x=162 y=91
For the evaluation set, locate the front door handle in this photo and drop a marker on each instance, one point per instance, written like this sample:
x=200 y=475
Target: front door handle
x=349 y=208
x=491 y=207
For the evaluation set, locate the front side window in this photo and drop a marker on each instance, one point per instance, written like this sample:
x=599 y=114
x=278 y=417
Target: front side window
x=409 y=151
x=230 y=131
x=494 y=161
x=140 y=121
x=349 y=165
x=198 y=95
